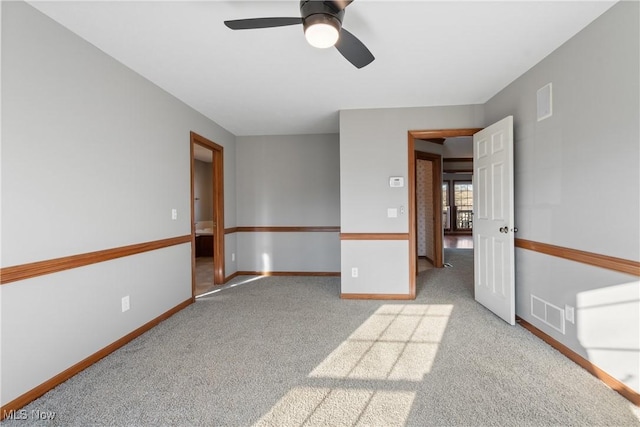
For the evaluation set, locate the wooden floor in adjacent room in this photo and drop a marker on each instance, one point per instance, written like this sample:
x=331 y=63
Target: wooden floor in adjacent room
x=204 y=275
x=458 y=241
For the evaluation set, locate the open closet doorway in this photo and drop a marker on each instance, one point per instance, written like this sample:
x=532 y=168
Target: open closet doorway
x=207 y=215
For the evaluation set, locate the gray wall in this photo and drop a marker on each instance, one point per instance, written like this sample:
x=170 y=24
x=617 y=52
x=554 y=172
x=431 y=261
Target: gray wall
x=577 y=185
x=93 y=157
x=290 y=180
x=373 y=147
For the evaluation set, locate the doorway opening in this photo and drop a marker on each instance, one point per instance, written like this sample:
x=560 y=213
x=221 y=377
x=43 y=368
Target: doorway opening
x=435 y=137
x=207 y=214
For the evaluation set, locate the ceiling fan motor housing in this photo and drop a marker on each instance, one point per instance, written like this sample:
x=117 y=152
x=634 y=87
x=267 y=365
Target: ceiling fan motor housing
x=314 y=12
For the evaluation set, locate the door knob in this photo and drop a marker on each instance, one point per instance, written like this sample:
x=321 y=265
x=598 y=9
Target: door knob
x=504 y=229
x=514 y=229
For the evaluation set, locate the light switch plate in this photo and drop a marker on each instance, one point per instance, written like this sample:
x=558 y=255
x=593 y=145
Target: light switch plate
x=392 y=213
x=396 y=181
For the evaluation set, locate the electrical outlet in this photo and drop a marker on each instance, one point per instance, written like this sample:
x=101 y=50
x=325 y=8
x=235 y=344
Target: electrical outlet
x=233 y=256
x=354 y=272
x=174 y=214
x=569 y=314
x=125 y=303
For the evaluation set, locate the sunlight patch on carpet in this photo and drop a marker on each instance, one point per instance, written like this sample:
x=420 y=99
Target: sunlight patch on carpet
x=233 y=285
x=398 y=343
x=311 y=406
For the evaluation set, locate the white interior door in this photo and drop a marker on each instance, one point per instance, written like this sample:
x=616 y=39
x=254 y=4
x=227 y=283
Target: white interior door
x=493 y=219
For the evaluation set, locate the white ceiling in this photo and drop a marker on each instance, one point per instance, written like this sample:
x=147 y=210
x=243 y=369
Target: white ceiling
x=270 y=81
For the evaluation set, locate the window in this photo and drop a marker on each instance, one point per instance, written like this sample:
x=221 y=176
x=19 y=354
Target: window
x=446 y=219
x=463 y=202
x=445 y=194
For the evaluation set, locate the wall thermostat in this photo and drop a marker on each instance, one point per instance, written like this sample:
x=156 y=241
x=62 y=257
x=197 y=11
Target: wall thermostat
x=396 y=181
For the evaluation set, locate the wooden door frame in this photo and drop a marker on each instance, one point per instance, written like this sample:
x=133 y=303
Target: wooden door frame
x=218 y=210
x=436 y=191
x=411 y=155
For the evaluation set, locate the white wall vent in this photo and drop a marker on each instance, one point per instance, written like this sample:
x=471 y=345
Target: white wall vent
x=547 y=313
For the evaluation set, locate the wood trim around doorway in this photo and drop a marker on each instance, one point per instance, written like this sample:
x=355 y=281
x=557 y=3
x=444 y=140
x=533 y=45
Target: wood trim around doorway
x=443 y=133
x=218 y=210
x=411 y=157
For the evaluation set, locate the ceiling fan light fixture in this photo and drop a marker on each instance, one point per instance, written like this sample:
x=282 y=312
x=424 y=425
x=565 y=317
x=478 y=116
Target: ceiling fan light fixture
x=321 y=31
x=322 y=25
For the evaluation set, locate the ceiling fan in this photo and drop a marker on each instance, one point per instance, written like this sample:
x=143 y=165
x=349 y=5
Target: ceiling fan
x=322 y=24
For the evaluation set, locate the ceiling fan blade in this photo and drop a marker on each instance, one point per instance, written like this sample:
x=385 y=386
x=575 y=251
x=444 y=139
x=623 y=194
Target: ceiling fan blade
x=341 y=4
x=253 y=23
x=353 y=49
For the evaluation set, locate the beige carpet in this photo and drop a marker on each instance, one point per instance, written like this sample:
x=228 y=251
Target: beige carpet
x=287 y=351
